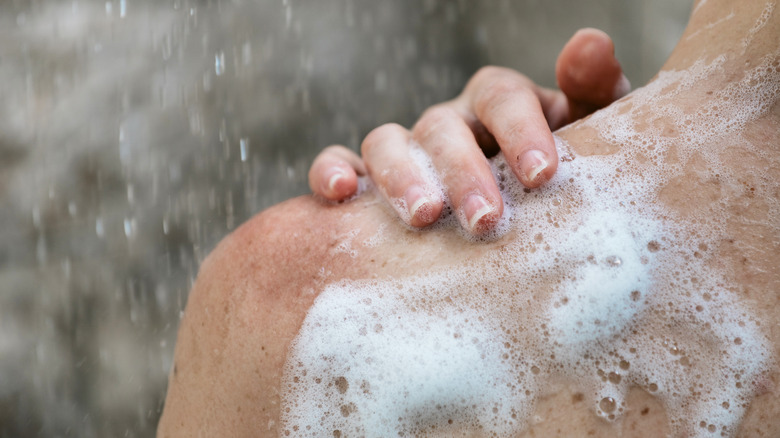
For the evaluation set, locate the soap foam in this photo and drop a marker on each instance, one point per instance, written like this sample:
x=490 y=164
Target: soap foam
x=762 y=20
x=431 y=184
x=598 y=287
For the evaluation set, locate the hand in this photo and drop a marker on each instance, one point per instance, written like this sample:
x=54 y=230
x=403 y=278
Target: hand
x=499 y=109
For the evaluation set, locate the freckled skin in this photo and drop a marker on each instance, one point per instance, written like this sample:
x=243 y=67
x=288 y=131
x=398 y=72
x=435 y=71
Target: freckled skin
x=253 y=291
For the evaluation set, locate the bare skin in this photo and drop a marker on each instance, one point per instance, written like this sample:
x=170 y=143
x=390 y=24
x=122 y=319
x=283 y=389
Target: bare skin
x=499 y=110
x=255 y=289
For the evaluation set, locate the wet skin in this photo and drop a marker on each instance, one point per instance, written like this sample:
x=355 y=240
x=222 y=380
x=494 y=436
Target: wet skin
x=254 y=290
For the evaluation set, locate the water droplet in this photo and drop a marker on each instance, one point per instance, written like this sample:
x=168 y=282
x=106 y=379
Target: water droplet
x=607 y=405
x=219 y=63
x=246 y=53
x=244 y=146
x=614 y=261
x=129 y=227
x=99 y=229
x=615 y=378
x=624 y=364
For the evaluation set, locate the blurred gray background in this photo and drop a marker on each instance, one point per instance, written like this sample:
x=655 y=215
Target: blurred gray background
x=134 y=134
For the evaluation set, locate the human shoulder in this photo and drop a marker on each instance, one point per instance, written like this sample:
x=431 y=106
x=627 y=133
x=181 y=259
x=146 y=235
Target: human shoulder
x=252 y=294
x=249 y=299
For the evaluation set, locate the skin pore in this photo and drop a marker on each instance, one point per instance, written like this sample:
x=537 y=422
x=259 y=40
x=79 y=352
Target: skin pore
x=685 y=170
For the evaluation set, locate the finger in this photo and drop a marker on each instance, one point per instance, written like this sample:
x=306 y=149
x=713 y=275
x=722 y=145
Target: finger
x=589 y=74
x=403 y=180
x=507 y=104
x=462 y=166
x=333 y=175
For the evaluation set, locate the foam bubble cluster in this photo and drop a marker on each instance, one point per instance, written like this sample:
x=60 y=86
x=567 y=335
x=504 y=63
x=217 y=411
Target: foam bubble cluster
x=598 y=288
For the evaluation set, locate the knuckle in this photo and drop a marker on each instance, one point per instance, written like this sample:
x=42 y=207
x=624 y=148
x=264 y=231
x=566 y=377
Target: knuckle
x=434 y=120
x=487 y=74
x=501 y=88
x=379 y=136
x=335 y=149
x=496 y=94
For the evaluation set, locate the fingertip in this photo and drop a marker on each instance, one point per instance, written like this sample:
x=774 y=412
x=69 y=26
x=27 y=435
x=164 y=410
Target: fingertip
x=423 y=208
x=591 y=32
x=587 y=69
x=338 y=183
x=536 y=167
x=427 y=213
x=480 y=215
x=590 y=41
x=333 y=174
x=549 y=172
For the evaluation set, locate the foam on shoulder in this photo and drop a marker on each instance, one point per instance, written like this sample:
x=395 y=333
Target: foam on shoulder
x=599 y=288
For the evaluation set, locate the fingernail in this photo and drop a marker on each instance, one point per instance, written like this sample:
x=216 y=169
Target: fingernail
x=532 y=164
x=622 y=87
x=475 y=208
x=336 y=175
x=418 y=202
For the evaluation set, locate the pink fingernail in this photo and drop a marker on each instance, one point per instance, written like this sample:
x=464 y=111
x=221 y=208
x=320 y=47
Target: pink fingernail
x=476 y=208
x=419 y=204
x=532 y=164
x=334 y=178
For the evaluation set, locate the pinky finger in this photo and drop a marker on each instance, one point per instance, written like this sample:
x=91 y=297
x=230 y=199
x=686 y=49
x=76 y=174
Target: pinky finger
x=333 y=175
